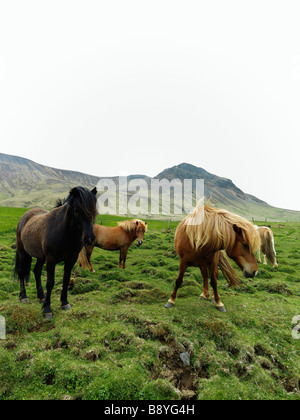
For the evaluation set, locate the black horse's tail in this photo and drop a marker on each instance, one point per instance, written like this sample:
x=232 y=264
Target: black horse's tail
x=22 y=267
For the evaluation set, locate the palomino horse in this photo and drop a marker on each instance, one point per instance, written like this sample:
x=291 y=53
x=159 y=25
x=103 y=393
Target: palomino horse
x=53 y=237
x=267 y=245
x=199 y=239
x=116 y=238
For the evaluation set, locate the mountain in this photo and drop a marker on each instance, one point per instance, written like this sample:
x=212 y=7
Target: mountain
x=24 y=183
x=221 y=190
x=223 y=193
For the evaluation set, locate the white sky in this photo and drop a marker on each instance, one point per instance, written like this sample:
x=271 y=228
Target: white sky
x=105 y=87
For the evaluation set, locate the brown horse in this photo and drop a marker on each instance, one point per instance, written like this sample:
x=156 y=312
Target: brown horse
x=267 y=246
x=199 y=239
x=53 y=237
x=116 y=238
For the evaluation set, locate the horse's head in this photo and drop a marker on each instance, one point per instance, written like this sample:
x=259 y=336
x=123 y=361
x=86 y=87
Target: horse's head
x=141 y=228
x=242 y=252
x=83 y=202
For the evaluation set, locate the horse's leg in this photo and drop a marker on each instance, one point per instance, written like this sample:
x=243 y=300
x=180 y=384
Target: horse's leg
x=258 y=256
x=265 y=260
x=23 y=266
x=66 y=280
x=38 y=274
x=205 y=294
x=182 y=269
x=214 y=283
x=123 y=254
x=50 y=284
x=124 y=258
x=120 y=259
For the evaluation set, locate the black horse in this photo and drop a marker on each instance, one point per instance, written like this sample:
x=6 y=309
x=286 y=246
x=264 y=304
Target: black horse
x=53 y=237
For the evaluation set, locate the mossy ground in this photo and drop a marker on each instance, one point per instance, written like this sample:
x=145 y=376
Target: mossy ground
x=119 y=342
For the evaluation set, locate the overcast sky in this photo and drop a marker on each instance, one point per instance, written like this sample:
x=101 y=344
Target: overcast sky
x=110 y=87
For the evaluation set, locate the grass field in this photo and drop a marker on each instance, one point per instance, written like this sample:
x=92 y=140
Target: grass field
x=119 y=342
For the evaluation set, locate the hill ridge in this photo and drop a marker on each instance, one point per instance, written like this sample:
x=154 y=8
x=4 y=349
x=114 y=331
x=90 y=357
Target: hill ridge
x=25 y=183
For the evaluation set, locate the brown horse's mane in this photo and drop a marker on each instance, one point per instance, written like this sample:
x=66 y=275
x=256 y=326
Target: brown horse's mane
x=213 y=227
x=131 y=225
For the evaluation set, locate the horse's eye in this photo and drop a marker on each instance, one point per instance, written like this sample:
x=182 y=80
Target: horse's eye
x=245 y=246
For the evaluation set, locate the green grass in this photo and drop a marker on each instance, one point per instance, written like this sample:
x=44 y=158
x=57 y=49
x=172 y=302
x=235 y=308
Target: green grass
x=119 y=342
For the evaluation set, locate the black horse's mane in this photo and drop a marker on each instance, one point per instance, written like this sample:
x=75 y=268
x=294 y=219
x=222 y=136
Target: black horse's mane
x=82 y=200
x=60 y=203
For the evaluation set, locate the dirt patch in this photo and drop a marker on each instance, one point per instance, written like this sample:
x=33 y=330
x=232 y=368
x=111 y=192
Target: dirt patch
x=183 y=377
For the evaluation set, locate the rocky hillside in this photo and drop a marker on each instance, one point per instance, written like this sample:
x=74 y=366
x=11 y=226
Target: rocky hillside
x=221 y=190
x=24 y=183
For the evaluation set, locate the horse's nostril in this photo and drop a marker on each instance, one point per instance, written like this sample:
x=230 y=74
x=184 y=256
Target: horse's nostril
x=250 y=275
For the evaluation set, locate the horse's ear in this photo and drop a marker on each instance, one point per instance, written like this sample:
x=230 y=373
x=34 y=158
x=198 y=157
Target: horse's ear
x=74 y=192
x=239 y=232
x=94 y=191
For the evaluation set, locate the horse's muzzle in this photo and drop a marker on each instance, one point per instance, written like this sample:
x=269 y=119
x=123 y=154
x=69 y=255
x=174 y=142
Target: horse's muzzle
x=140 y=243
x=250 y=275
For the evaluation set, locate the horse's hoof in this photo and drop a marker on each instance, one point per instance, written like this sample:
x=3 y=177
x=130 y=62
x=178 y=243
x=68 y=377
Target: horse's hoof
x=48 y=316
x=221 y=308
x=24 y=300
x=169 y=305
x=202 y=298
x=66 y=307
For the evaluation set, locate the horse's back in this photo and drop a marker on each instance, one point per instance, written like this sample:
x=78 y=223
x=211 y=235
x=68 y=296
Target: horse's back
x=28 y=216
x=109 y=238
x=30 y=230
x=264 y=233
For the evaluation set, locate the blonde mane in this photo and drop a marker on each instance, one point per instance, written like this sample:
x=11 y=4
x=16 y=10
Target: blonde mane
x=131 y=225
x=213 y=228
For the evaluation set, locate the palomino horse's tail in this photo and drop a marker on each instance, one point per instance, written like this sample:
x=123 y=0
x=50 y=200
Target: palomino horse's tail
x=227 y=270
x=82 y=259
